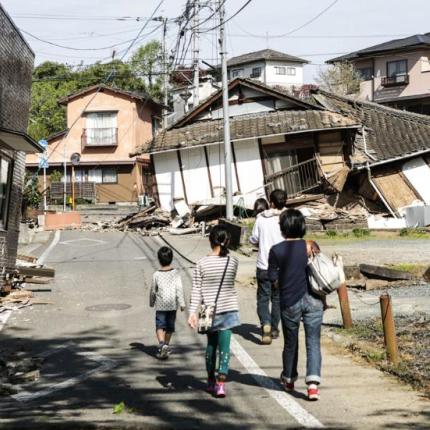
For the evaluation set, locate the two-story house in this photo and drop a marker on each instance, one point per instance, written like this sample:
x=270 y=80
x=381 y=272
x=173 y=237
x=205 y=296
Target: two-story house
x=395 y=73
x=104 y=126
x=271 y=67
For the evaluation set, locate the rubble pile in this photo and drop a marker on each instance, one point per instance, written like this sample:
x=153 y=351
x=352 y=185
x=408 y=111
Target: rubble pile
x=338 y=211
x=17 y=368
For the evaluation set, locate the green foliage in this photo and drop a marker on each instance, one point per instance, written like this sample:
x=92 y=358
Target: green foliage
x=31 y=194
x=119 y=408
x=412 y=232
x=341 y=78
x=56 y=176
x=52 y=80
x=331 y=233
x=361 y=232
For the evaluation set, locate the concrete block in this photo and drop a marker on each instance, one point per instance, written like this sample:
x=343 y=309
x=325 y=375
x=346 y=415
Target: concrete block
x=61 y=220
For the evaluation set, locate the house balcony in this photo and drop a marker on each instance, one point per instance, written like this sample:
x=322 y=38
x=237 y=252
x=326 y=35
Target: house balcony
x=99 y=137
x=395 y=81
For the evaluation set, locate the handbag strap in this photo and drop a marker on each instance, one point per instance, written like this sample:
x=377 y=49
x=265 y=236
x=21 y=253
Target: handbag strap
x=220 y=284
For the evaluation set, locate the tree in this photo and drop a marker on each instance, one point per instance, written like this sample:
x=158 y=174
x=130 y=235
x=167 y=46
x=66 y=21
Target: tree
x=341 y=78
x=146 y=62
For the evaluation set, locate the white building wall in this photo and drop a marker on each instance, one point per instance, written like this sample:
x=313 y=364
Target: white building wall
x=168 y=177
x=284 y=80
x=196 y=175
x=249 y=170
x=268 y=73
x=217 y=170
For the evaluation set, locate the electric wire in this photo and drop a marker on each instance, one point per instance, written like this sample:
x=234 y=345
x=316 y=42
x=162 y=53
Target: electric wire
x=228 y=19
x=106 y=80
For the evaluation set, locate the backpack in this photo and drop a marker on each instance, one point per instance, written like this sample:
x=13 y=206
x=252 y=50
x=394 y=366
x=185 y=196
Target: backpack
x=325 y=274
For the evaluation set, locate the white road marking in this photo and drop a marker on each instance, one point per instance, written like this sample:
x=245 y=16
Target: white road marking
x=78 y=242
x=4 y=316
x=44 y=256
x=105 y=364
x=139 y=258
x=301 y=415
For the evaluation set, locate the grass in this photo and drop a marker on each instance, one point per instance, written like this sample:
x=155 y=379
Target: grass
x=414 y=268
x=413 y=343
x=413 y=233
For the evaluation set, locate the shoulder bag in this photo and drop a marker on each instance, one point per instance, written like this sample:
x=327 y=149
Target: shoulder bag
x=325 y=276
x=207 y=312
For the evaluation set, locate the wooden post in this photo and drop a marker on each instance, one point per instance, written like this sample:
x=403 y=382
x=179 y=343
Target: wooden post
x=342 y=292
x=389 y=328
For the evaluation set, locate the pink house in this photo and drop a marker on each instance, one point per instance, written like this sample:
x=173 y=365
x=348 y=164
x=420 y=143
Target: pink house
x=104 y=125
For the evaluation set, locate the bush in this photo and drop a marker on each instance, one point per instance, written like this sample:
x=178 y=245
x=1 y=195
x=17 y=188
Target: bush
x=331 y=233
x=31 y=196
x=412 y=232
x=56 y=176
x=361 y=232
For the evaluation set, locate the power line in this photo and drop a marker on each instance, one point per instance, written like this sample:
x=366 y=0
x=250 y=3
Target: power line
x=230 y=18
x=106 y=80
x=60 y=17
x=86 y=49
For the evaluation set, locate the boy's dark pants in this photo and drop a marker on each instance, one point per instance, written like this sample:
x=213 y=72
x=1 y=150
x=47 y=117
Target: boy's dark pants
x=266 y=293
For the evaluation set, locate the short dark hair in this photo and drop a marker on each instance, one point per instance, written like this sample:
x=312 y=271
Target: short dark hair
x=293 y=224
x=165 y=255
x=278 y=198
x=220 y=236
x=260 y=205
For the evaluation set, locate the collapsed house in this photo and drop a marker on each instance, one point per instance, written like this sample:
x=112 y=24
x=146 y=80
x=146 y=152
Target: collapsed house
x=391 y=160
x=320 y=153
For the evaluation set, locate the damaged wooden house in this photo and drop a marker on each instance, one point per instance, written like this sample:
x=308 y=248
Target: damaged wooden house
x=340 y=160
x=391 y=159
x=16 y=65
x=278 y=141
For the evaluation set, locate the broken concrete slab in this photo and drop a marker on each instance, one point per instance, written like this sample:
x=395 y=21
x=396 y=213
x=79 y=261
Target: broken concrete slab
x=382 y=272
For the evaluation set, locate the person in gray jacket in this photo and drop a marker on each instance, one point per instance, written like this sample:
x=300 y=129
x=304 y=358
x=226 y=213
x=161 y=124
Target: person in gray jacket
x=265 y=234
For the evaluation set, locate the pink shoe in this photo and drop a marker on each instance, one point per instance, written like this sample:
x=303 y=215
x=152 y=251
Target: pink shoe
x=220 y=390
x=210 y=388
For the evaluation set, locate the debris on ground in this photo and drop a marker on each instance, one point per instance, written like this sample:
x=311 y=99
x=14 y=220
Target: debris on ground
x=413 y=342
x=17 y=368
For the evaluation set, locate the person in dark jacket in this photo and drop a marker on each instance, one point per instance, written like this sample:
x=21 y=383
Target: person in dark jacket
x=288 y=268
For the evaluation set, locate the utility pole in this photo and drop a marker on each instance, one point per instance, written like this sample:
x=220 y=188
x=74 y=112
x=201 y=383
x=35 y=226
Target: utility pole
x=227 y=142
x=196 y=66
x=165 y=74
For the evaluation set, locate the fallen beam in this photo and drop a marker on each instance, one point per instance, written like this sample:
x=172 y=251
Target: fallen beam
x=44 y=272
x=381 y=272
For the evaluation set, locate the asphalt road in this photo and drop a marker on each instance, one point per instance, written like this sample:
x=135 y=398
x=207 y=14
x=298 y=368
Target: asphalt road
x=98 y=340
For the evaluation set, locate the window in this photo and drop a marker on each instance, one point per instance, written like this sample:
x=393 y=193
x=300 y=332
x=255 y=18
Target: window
x=280 y=70
x=109 y=175
x=237 y=73
x=397 y=68
x=256 y=72
x=291 y=71
x=5 y=184
x=95 y=175
x=101 y=128
x=365 y=73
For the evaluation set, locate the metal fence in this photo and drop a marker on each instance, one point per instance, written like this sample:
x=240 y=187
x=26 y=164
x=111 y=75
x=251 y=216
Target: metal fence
x=296 y=179
x=83 y=190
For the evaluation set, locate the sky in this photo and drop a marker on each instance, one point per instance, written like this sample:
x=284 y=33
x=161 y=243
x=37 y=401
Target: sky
x=346 y=25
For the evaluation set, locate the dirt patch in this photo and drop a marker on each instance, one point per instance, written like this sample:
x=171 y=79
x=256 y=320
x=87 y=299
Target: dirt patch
x=366 y=340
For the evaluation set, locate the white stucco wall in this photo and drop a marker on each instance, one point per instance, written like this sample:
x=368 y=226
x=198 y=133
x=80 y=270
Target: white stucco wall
x=195 y=172
x=268 y=73
x=168 y=176
x=196 y=177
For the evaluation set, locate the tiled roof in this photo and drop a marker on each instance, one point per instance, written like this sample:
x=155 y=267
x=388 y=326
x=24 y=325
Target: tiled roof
x=392 y=45
x=390 y=133
x=102 y=87
x=247 y=126
x=264 y=54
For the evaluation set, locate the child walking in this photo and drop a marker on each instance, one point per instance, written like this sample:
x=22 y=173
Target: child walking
x=166 y=295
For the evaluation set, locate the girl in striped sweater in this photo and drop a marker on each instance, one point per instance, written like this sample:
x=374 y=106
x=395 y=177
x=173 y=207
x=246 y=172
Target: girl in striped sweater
x=206 y=282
